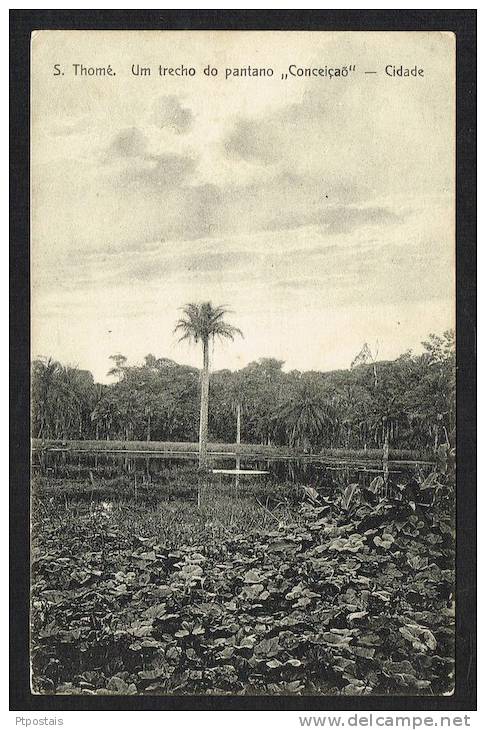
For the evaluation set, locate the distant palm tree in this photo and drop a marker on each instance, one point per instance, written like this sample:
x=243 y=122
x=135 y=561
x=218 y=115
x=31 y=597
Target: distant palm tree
x=45 y=377
x=202 y=323
x=305 y=415
x=237 y=393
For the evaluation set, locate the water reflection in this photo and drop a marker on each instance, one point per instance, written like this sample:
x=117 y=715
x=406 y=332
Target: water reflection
x=146 y=471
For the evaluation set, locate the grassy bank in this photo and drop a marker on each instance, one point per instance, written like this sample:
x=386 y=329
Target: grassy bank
x=191 y=449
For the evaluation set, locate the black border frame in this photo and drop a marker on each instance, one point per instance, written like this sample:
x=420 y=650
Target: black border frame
x=460 y=22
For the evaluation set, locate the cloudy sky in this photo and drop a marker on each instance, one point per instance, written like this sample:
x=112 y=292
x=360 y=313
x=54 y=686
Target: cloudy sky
x=319 y=210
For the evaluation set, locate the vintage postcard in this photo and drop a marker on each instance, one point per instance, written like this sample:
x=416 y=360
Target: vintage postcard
x=243 y=363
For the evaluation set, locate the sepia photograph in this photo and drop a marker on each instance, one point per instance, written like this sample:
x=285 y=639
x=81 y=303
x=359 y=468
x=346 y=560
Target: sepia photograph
x=243 y=363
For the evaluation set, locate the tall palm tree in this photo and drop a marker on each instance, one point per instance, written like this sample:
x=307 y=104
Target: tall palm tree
x=203 y=323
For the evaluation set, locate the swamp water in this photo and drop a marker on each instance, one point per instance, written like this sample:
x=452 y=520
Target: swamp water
x=163 y=477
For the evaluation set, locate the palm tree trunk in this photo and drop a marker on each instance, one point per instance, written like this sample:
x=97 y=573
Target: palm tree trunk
x=203 y=418
x=238 y=423
x=386 y=449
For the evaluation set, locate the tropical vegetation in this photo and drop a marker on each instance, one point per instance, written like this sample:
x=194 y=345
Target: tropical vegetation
x=406 y=403
x=321 y=591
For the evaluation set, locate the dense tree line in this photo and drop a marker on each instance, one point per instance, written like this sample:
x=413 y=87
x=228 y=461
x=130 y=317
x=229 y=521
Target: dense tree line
x=407 y=403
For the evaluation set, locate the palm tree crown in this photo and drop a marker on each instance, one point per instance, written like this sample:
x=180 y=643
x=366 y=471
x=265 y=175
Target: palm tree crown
x=306 y=415
x=203 y=321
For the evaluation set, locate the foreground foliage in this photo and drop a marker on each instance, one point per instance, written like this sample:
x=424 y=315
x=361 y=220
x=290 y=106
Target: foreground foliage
x=353 y=596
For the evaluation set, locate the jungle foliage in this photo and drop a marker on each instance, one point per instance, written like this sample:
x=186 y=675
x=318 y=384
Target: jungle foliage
x=408 y=403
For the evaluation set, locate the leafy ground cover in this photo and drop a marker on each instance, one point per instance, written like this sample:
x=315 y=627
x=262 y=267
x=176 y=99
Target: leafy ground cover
x=348 y=593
